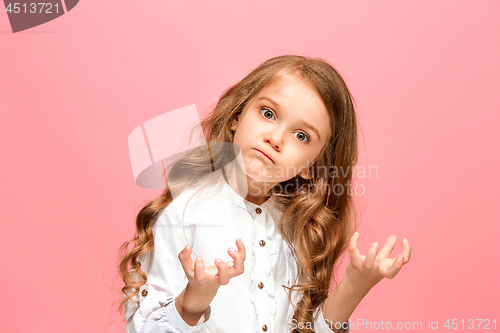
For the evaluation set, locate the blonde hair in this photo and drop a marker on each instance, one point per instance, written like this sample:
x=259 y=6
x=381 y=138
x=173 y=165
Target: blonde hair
x=317 y=225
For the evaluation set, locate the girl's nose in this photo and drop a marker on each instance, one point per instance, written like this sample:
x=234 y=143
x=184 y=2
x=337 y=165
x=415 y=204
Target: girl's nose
x=275 y=138
x=274 y=143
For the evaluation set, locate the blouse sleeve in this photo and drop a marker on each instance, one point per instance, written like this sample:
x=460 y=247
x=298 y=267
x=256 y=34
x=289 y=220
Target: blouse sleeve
x=323 y=327
x=153 y=309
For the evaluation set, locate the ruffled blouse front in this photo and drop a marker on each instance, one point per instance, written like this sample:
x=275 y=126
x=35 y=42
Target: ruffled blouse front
x=210 y=221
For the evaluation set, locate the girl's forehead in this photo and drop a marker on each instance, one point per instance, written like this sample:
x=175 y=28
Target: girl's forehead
x=285 y=81
x=289 y=86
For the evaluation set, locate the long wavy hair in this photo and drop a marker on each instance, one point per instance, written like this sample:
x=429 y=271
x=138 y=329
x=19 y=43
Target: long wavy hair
x=315 y=224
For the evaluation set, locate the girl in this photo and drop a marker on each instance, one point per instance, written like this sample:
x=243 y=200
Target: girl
x=267 y=187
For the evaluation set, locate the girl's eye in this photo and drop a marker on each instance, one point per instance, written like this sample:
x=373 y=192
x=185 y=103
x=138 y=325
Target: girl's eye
x=302 y=137
x=268 y=114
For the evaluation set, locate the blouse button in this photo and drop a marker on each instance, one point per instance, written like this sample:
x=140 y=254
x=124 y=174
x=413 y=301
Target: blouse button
x=260 y=285
x=144 y=293
x=258 y=210
x=262 y=243
x=264 y=328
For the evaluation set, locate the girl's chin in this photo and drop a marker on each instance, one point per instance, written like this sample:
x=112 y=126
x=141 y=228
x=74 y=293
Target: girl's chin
x=257 y=176
x=262 y=178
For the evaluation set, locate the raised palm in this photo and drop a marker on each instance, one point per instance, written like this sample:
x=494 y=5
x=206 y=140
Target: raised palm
x=210 y=278
x=365 y=271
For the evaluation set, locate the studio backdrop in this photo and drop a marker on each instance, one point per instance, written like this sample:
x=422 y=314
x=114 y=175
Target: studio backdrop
x=76 y=82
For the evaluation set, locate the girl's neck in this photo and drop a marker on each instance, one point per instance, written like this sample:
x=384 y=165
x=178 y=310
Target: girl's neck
x=257 y=191
x=248 y=188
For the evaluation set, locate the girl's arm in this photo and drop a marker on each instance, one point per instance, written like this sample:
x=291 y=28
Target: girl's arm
x=191 y=304
x=362 y=274
x=155 y=308
x=339 y=306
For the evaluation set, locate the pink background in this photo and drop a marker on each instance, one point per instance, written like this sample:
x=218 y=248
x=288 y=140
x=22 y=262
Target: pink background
x=425 y=75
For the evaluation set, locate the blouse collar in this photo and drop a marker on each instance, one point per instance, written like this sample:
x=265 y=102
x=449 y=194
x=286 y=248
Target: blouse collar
x=270 y=204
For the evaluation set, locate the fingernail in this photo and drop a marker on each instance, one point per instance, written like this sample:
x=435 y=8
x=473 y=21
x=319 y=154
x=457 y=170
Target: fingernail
x=375 y=244
x=231 y=249
x=198 y=259
x=218 y=261
x=400 y=258
x=356 y=233
x=405 y=240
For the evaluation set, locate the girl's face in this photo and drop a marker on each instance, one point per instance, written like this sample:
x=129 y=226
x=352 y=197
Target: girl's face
x=288 y=122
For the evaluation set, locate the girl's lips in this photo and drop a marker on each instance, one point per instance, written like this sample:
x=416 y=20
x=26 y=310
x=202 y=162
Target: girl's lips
x=265 y=155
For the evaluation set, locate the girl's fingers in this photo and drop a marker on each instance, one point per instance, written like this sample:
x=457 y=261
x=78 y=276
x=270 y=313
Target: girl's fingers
x=353 y=250
x=406 y=252
x=386 y=250
x=237 y=263
x=223 y=273
x=199 y=269
x=370 y=256
x=241 y=248
x=186 y=261
x=395 y=267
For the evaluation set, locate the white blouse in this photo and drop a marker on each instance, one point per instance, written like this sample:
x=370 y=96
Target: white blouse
x=254 y=301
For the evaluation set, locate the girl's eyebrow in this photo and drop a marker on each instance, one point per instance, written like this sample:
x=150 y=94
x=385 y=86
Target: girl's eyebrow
x=276 y=105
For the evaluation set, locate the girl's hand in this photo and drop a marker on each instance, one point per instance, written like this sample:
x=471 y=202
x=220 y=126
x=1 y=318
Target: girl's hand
x=208 y=279
x=364 y=272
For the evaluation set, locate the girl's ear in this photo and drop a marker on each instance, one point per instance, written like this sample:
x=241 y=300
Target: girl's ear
x=233 y=125
x=306 y=174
